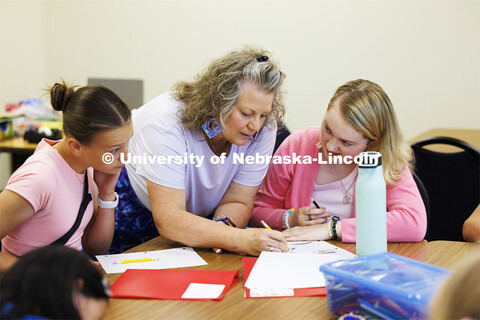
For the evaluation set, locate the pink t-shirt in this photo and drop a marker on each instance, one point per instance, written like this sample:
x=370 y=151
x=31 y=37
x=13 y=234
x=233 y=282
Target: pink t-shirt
x=331 y=195
x=55 y=192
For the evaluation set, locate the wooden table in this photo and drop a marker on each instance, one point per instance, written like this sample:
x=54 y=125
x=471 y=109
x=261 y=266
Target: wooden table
x=17 y=145
x=235 y=306
x=20 y=150
x=472 y=136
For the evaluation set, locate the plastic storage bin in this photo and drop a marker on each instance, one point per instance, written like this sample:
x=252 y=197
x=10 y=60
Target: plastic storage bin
x=383 y=285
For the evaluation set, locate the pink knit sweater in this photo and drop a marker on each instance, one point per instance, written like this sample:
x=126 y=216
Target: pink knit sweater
x=291 y=185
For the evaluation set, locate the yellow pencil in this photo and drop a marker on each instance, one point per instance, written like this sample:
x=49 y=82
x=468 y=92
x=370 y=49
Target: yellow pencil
x=268 y=227
x=137 y=260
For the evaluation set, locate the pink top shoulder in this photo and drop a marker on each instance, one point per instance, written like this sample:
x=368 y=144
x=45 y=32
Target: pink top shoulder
x=290 y=186
x=55 y=192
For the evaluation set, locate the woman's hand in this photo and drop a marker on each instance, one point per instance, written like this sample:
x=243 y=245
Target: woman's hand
x=308 y=216
x=255 y=240
x=313 y=232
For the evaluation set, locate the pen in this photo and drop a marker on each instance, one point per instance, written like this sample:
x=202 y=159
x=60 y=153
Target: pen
x=268 y=227
x=315 y=203
x=136 y=260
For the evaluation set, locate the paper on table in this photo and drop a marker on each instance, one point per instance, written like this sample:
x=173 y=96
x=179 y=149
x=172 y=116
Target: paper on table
x=285 y=270
x=248 y=264
x=203 y=291
x=319 y=247
x=271 y=292
x=168 y=258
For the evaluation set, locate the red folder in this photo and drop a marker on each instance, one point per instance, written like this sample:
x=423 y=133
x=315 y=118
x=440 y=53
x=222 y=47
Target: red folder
x=248 y=264
x=168 y=284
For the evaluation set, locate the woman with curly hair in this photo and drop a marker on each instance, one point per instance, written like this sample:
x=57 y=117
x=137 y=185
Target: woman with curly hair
x=184 y=162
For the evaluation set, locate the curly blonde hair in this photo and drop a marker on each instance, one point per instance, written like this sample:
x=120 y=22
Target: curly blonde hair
x=214 y=91
x=366 y=106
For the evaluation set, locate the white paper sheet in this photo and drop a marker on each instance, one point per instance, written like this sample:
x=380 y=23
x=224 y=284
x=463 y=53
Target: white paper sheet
x=271 y=292
x=297 y=268
x=320 y=247
x=203 y=291
x=165 y=259
x=286 y=270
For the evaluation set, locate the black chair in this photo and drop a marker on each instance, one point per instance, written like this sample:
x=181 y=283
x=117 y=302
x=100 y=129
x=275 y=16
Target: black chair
x=425 y=197
x=452 y=181
x=282 y=134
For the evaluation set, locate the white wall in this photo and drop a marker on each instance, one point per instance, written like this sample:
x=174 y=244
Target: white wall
x=22 y=50
x=22 y=58
x=425 y=54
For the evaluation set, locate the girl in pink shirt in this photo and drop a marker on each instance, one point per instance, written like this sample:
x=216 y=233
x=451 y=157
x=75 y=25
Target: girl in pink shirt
x=359 y=117
x=48 y=199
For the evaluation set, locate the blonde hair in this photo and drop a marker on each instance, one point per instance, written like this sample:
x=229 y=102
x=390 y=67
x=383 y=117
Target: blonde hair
x=214 y=91
x=459 y=296
x=368 y=109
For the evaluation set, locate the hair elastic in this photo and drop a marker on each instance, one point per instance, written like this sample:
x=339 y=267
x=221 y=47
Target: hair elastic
x=285 y=218
x=227 y=221
x=333 y=227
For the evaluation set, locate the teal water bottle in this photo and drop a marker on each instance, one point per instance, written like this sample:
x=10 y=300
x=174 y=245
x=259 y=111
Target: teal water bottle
x=371 y=205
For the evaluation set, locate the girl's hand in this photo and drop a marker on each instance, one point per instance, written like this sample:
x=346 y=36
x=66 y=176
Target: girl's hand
x=313 y=232
x=308 y=216
x=106 y=184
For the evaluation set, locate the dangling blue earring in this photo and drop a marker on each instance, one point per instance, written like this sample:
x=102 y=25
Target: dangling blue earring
x=212 y=128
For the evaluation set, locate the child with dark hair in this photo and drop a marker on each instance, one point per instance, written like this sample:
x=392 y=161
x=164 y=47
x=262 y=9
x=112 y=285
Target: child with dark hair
x=53 y=282
x=49 y=198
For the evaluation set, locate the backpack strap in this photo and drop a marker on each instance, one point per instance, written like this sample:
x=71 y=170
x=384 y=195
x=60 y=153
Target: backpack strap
x=87 y=197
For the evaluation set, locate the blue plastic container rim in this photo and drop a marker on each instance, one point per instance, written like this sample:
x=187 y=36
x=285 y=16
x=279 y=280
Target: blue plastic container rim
x=330 y=269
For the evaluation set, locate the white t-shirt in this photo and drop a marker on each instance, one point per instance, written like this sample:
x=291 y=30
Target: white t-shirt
x=159 y=134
